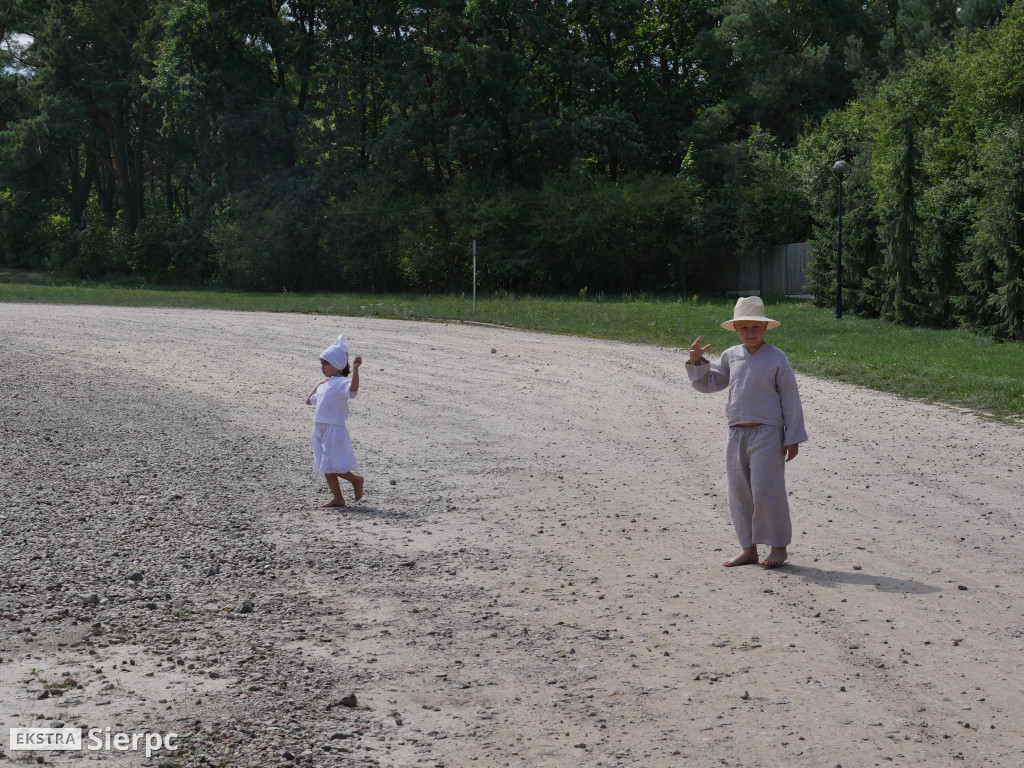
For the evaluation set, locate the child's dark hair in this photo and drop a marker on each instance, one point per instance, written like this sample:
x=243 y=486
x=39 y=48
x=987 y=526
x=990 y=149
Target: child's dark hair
x=344 y=371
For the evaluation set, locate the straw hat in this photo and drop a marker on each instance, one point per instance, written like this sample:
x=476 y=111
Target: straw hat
x=749 y=308
x=337 y=353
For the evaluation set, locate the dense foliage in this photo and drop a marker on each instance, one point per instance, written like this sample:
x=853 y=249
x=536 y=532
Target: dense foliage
x=934 y=209
x=610 y=146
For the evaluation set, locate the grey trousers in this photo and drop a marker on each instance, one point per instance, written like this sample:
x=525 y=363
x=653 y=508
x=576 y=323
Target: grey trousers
x=756 y=468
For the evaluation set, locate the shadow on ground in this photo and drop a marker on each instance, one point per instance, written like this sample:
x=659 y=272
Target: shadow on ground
x=860 y=578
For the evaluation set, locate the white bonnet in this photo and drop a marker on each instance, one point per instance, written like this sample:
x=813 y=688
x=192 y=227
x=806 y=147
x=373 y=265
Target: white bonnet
x=337 y=353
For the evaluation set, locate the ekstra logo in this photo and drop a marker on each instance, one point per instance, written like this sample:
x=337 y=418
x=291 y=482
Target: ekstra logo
x=27 y=739
x=70 y=739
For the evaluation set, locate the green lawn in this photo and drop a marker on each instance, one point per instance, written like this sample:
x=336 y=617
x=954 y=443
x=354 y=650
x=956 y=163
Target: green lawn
x=952 y=367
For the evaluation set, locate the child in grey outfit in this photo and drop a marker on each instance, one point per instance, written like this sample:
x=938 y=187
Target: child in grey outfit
x=766 y=425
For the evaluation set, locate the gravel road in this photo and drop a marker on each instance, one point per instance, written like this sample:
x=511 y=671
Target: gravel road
x=533 y=577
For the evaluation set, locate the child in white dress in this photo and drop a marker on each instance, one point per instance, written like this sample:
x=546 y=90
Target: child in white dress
x=332 y=446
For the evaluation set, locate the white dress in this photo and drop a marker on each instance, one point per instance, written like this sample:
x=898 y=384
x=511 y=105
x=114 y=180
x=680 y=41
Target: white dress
x=332 y=446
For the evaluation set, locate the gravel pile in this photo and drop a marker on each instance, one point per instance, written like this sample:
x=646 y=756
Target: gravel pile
x=138 y=576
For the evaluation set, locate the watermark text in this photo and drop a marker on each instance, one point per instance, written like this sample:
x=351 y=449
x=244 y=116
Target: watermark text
x=95 y=740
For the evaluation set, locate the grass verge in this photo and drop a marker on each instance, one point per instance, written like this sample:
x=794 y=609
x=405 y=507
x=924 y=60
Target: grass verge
x=948 y=366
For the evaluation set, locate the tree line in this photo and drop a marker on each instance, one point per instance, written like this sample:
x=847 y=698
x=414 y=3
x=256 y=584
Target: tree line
x=934 y=206
x=614 y=145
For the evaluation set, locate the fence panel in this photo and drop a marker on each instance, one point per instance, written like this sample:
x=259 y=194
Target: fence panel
x=777 y=271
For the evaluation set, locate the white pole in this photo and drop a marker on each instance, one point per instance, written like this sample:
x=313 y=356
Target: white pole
x=474 y=277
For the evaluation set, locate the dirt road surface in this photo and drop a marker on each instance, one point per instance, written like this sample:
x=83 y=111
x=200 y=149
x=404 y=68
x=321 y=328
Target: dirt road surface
x=533 y=577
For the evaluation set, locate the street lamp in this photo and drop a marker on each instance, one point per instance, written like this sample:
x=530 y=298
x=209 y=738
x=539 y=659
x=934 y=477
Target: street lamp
x=841 y=169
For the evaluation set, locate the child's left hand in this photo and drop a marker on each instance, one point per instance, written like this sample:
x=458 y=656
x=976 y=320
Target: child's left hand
x=357 y=361
x=791 y=451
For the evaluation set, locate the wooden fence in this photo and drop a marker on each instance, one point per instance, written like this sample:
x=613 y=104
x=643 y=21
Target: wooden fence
x=777 y=271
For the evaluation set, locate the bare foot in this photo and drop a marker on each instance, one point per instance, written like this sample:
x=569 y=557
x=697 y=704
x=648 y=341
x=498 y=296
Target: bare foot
x=338 y=502
x=357 y=487
x=747 y=556
x=775 y=558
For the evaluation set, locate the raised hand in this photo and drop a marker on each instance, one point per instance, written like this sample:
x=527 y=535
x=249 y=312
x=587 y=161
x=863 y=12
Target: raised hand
x=697 y=352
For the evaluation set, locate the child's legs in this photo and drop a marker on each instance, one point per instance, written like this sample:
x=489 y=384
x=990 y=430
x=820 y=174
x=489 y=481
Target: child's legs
x=357 y=483
x=334 y=485
x=741 y=500
x=770 y=523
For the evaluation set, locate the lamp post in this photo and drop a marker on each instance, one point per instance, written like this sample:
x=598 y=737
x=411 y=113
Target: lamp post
x=841 y=169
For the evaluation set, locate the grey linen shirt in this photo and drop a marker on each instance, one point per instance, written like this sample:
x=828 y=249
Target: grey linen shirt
x=762 y=388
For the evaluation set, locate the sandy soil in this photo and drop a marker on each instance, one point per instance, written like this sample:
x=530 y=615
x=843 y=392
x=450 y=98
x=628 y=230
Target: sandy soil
x=533 y=577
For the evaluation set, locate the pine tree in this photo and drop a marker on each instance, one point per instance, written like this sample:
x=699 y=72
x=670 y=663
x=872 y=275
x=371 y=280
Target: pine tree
x=897 y=280
x=977 y=14
x=994 y=275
